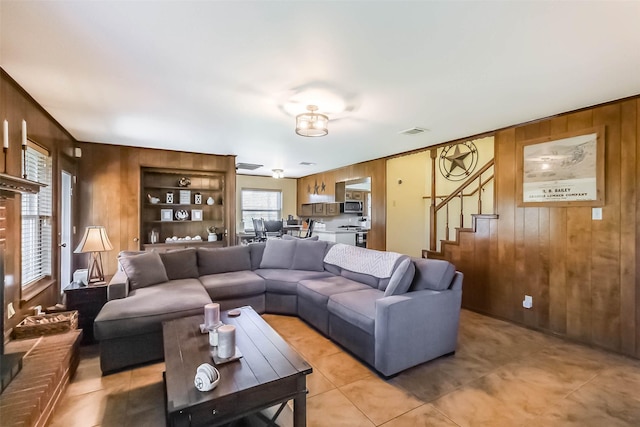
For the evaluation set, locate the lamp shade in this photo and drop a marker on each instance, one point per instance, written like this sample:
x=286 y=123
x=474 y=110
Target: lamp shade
x=312 y=123
x=95 y=239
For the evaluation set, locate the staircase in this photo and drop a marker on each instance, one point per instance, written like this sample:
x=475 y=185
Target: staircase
x=469 y=193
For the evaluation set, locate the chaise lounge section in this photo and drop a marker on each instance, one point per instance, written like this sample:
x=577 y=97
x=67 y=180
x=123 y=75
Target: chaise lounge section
x=390 y=310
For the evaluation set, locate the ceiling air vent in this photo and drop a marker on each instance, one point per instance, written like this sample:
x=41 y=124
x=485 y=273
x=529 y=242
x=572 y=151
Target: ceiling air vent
x=307 y=163
x=248 y=166
x=412 y=131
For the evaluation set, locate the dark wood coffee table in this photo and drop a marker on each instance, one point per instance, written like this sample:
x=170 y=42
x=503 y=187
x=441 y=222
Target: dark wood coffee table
x=269 y=372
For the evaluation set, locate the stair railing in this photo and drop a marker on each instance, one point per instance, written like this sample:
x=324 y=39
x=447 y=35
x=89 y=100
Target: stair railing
x=458 y=192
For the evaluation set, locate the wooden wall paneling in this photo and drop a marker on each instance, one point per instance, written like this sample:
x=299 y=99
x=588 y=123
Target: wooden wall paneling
x=637 y=234
x=605 y=274
x=505 y=167
x=628 y=226
x=542 y=308
x=130 y=237
x=481 y=249
x=557 y=251
x=578 y=255
x=525 y=219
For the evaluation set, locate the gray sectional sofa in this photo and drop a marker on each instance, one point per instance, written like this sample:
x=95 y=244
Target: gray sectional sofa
x=390 y=310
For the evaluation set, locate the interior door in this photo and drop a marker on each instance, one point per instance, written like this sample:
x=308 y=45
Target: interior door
x=65 y=235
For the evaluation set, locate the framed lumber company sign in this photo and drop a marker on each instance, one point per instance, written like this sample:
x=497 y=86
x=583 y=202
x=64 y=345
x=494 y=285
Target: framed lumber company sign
x=562 y=170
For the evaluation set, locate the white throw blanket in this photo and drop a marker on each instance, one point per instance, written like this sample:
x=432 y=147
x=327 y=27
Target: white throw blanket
x=360 y=260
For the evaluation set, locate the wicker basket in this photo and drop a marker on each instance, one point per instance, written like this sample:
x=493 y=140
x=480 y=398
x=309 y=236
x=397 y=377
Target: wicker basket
x=46 y=324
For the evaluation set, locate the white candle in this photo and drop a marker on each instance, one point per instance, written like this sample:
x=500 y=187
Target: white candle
x=211 y=315
x=213 y=337
x=24 y=133
x=5 y=134
x=226 y=341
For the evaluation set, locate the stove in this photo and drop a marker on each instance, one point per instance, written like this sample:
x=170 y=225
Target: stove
x=350 y=227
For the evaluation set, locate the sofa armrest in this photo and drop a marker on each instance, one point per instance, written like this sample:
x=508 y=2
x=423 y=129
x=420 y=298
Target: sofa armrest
x=118 y=286
x=415 y=327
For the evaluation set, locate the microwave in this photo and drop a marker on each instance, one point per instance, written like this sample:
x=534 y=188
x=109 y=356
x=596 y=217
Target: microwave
x=351 y=206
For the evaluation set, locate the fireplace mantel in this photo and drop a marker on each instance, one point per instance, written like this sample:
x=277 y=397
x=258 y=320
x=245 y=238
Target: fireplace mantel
x=19 y=185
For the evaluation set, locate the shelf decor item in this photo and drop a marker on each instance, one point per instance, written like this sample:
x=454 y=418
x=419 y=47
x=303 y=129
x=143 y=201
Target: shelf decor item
x=210 y=201
x=182 y=215
x=184 y=197
x=197 y=199
x=196 y=214
x=213 y=237
x=184 y=182
x=166 y=214
x=170 y=197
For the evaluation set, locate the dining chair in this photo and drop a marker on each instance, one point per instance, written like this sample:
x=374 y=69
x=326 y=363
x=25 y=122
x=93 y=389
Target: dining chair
x=258 y=228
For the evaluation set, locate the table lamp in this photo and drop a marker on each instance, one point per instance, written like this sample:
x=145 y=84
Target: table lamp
x=94 y=241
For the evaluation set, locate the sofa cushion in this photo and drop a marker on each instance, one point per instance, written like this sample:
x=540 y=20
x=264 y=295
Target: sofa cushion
x=180 y=263
x=256 y=249
x=432 y=274
x=401 y=279
x=309 y=255
x=144 y=269
x=144 y=310
x=278 y=254
x=234 y=284
x=318 y=291
x=280 y=281
x=357 y=308
x=223 y=260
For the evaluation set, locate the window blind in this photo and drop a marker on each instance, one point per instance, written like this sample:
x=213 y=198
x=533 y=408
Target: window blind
x=265 y=204
x=36 y=217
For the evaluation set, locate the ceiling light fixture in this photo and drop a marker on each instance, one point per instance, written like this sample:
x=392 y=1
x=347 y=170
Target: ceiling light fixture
x=277 y=173
x=312 y=123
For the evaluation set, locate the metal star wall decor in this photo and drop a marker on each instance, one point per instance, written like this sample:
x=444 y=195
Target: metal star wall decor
x=458 y=161
x=323 y=187
x=316 y=187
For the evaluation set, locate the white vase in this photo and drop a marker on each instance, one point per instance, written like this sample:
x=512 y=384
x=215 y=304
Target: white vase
x=213 y=237
x=210 y=201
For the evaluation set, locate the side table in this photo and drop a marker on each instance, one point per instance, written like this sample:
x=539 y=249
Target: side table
x=88 y=300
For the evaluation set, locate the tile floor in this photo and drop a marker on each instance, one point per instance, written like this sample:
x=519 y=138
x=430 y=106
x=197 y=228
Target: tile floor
x=501 y=375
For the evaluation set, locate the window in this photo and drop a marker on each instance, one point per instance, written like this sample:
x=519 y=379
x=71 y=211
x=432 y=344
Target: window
x=36 y=218
x=265 y=204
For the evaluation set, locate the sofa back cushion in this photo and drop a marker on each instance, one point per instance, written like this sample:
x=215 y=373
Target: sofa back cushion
x=434 y=274
x=143 y=269
x=223 y=260
x=309 y=255
x=368 y=266
x=278 y=253
x=256 y=249
x=180 y=263
x=289 y=237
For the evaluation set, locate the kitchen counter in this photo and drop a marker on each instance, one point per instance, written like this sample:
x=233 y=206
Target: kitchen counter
x=347 y=237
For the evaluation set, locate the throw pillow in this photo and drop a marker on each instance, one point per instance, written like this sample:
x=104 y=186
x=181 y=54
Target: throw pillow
x=180 y=263
x=144 y=269
x=278 y=253
x=223 y=260
x=401 y=278
x=309 y=255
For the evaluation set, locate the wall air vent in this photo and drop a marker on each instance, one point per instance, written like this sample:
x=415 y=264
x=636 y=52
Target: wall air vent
x=412 y=131
x=248 y=166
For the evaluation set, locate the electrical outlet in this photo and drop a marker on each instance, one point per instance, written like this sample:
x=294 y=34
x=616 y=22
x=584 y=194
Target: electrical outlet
x=10 y=311
x=528 y=301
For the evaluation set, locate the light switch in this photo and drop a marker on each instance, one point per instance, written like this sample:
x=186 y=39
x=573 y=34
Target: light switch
x=596 y=214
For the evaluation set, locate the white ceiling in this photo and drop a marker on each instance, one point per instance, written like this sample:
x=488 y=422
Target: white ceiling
x=229 y=77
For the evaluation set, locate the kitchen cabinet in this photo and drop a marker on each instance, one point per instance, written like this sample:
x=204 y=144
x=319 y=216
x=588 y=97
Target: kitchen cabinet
x=355 y=195
x=332 y=209
x=306 y=209
x=318 y=209
x=181 y=203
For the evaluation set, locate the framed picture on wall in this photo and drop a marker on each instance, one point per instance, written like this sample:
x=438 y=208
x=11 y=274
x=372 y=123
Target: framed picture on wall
x=562 y=170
